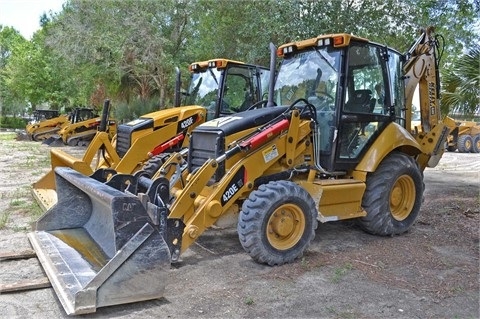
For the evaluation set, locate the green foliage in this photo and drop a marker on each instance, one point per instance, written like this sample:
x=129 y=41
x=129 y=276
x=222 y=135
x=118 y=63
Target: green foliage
x=128 y=111
x=249 y=301
x=461 y=84
x=10 y=103
x=127 y=50
x=341 y=272
x=130 y=47
x=4 y=219
x=12 y=122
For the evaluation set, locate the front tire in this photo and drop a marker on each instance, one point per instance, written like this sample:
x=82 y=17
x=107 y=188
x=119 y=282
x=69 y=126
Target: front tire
x=277 y=222
x=393 y=196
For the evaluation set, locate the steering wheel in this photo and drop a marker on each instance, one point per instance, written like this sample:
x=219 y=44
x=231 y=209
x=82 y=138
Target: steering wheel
x=326 y=102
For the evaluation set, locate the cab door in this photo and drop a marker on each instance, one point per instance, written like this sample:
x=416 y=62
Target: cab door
x=366 y=102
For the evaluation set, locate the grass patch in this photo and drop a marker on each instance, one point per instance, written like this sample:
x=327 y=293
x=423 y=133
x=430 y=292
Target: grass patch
x=17 y=203
x=249 y=301
x=341 y=272
x=21 y=229
x=4 y=219
x=35 y=210
x=8 y=136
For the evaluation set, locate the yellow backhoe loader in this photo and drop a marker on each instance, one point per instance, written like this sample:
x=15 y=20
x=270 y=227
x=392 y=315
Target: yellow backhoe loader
x=218 y=87
x=329 y=150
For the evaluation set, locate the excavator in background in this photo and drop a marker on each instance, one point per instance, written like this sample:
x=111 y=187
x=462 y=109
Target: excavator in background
x=328 y=150
x=464 y=136
x=218 y=87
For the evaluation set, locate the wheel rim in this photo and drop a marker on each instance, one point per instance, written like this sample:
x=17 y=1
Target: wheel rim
x=285 y=226
x=402 y=197
x=468 y=144
x=477 y=144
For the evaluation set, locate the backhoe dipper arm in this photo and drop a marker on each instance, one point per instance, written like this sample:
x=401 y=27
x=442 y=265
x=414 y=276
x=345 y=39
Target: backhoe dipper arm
x=421 y=69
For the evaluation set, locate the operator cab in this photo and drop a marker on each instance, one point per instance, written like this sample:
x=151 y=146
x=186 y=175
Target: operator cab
x=355 y=85
x=225 y=87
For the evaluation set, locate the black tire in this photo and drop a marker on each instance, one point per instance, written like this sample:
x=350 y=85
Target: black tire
x=451 y=148
x=154 y=163
x=476 y=144
x=464 y=144
x=393 y=196
x=277 y=223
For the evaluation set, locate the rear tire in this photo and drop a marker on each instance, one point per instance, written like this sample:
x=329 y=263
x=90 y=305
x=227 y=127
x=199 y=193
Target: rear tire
x=464 y=144
x=393 y=196
x=277 y=222
x=476 y=144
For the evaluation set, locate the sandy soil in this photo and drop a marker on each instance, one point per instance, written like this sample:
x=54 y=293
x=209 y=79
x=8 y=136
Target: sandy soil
x=430 y=272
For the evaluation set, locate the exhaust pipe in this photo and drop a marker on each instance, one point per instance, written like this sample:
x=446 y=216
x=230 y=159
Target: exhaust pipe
x=98 y=246
x=104 y=119
x=178 y=87
x=273 y=67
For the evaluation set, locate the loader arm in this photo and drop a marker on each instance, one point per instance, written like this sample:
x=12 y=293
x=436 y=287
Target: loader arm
x=200 y=206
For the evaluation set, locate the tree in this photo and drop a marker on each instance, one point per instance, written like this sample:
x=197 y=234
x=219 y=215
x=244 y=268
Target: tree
x=131 y=47
x=33 y=74
x=9 y=39
x=461 y=84
x=128 y=50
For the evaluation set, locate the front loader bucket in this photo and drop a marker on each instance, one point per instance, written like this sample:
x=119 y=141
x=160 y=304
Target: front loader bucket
x=44 y=190
x=98 y=246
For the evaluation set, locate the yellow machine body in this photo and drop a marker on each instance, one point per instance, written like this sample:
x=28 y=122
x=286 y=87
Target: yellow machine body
x=329 y=150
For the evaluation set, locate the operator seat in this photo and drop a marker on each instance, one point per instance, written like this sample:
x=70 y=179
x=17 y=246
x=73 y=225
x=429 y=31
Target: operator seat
x=361 y=102
x=247 y=102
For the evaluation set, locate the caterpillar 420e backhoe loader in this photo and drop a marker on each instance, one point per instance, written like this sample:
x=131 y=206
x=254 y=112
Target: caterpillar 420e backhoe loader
x=218 y=87
x=328 y=151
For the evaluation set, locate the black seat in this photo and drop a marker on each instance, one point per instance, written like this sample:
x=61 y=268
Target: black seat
x=361 y=102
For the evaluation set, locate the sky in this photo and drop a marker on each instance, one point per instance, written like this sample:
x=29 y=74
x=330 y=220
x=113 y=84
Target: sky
x=24 y=15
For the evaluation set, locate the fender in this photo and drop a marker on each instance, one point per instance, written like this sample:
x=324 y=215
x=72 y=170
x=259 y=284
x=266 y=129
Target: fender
x=393 y=137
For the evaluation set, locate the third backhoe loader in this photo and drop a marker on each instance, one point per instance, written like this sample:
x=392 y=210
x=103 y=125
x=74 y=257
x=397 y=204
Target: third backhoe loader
x=218 y=87
x=330 y=150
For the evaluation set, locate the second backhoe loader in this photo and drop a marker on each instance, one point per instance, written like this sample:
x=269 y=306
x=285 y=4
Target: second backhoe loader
x=330 y=150
x=218 y=87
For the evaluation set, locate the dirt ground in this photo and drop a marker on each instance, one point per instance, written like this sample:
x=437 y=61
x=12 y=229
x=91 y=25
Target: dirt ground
x=430 y=272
